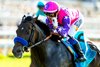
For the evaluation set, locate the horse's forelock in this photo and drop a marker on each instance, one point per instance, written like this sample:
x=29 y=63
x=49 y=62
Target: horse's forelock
x=29 y=18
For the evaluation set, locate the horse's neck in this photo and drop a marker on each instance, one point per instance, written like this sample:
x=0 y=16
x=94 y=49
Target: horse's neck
x=41 y=35
x=50 y=52
x=43 y=27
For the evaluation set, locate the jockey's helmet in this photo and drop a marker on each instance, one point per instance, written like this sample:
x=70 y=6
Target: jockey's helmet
x=40 y=4
x=51 y=8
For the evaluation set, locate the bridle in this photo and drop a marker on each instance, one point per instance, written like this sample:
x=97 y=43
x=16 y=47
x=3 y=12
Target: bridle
x=39 y=42
x=36 y=44
x=26 y=43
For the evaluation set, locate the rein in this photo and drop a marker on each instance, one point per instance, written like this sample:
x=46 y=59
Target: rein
x=36 y=44
x=48 y=37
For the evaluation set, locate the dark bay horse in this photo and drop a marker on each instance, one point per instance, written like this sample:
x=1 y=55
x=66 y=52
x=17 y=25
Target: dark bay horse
x=44 y=53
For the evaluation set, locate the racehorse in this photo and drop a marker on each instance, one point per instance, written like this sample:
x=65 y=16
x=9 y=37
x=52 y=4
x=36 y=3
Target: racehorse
x=45 y=49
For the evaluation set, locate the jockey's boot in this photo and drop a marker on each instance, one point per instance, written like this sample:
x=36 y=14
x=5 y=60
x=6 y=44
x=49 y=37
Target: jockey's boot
x=78 y=50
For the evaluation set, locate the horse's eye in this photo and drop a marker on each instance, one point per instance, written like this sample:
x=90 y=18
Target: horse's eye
x=22 y=28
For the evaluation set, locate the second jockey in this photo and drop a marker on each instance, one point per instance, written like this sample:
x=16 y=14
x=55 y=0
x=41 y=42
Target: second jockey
x=40 y=15
x=66 y=23
x=40 y=6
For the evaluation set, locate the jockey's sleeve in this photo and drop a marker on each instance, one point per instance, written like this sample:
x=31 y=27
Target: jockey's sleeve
x=37 y=13
x=63 y=30
x=49 y=24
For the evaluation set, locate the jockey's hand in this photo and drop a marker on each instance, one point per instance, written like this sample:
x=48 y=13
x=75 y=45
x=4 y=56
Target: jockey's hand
x=55 y=23
x=55 y=27
x=55 y=32
x=57 y=36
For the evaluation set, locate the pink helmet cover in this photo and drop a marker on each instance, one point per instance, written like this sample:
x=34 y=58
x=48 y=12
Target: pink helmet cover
x=51 y=7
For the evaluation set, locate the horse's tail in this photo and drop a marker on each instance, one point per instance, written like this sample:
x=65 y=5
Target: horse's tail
x=94 y=47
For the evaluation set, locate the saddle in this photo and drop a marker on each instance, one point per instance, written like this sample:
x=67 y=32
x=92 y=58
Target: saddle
x=86 y=48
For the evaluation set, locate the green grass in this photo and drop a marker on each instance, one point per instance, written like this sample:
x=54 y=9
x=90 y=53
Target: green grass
x=11 y=61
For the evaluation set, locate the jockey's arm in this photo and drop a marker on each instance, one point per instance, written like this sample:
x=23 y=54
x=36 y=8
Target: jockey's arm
x=63 y=30
x=36 y=14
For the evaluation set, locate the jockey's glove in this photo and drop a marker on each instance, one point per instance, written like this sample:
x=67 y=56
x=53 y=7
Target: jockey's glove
x=55 y=31
x=55 y=23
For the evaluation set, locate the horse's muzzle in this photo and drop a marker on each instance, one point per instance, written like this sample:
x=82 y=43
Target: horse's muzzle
x=18 y=51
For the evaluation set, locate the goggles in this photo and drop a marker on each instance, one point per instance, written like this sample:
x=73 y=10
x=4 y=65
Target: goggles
x=51 y=14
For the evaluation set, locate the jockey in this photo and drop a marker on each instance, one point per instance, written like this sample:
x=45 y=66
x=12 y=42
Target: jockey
x=40 y=14
x=40 y=6
x=66 y=23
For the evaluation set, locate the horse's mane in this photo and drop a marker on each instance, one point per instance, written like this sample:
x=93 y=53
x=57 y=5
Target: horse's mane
x=41 y=25
x=46 y=30
x=44 y=27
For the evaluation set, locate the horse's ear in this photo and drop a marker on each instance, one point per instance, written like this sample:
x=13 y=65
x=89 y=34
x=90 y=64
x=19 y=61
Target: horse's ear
x=23 y=18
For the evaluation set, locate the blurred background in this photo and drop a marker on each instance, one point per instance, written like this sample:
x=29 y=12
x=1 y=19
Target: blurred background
x=11 y=12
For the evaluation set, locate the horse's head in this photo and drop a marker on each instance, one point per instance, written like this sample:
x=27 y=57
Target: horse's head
x=25 y=34
x=29 y=32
